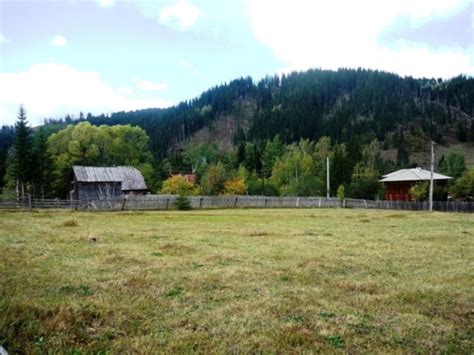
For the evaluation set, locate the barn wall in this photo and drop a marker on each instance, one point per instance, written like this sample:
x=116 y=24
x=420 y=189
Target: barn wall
x=398 y=191
x=98 y=190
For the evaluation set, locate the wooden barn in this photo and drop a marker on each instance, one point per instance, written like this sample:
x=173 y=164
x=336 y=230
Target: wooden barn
x=397 y=184
x=92 y=183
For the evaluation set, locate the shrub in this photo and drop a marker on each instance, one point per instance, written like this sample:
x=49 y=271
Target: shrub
x=341 y=192
x=419 y=191
x=464 y=187
x=179 y=185
x=182 y=203
x=235 y=186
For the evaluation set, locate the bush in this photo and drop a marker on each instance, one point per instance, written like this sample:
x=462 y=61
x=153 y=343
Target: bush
x=179 y=185
x=235 y=186
x=182 y=203
x=341 y=192
x=419 y=191
x=464 y=187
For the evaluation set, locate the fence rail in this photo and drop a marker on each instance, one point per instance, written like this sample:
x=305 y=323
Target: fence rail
x=166 y=202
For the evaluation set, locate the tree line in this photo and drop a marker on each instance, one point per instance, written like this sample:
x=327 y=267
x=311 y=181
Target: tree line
x=350 y=108
x=41 y=166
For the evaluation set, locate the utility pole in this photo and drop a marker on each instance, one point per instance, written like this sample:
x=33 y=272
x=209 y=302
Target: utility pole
x=431 y=176
x=327 y=176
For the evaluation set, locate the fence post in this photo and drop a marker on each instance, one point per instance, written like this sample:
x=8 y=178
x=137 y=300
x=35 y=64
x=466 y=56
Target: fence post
x=235 y=201
x=123 y=204
x=319 y=203
x=297 y=202
x=200 y=202
x=167 y=202
x=29 y=202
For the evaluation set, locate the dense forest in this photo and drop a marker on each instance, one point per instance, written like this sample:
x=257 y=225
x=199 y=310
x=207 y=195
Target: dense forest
x=353 y=112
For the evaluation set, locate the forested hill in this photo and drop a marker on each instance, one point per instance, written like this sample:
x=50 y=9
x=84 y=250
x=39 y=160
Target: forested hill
x=346 y=105
x=340 y=104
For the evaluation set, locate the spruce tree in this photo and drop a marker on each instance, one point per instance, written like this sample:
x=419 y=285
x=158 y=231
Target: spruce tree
x=22 y=154
x=42 y=163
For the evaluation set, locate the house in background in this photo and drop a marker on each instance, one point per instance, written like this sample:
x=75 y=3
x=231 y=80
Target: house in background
x=397 y=184
x=100 y=183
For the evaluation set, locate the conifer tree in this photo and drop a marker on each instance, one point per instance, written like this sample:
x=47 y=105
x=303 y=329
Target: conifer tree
x=42 y=163
x=20 y=163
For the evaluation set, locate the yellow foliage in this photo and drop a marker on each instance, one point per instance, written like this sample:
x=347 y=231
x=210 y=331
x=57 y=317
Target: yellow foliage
x=235 y=186
x=179 y=185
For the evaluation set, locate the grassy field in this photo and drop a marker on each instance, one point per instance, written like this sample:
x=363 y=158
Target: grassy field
x=250 y=281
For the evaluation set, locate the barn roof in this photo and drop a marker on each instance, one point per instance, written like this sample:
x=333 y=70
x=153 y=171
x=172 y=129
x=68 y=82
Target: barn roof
x=130 y=177
x=416 y=174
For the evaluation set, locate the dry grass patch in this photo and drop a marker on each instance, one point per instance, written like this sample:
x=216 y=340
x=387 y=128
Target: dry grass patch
x=237 y=281
x=70 y=223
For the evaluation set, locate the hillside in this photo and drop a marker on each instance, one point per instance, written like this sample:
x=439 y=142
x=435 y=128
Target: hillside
x=349 y=106
x=340 y=104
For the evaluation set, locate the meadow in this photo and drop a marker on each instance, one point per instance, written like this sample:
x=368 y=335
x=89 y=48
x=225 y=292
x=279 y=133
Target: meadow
x=237 y=281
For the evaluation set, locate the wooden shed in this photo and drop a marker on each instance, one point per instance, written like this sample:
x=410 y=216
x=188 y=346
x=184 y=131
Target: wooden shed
x=92 y=183
x=397 y=184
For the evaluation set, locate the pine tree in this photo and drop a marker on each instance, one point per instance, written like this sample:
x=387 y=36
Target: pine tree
x=42 y=163
x=21 y=169
x=182 y=203
x=403 y=157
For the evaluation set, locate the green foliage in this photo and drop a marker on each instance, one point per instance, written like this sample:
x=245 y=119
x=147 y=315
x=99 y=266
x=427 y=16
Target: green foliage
x=199 y=155
x=182 y=203
x=7 y=134
x=341 y=192
x=403 y=157
x=464 y=186
x=453 y=164
x=365 y=183
x=420 y=191
x=351 y=108
x=339 y=167
x=42 y=166
x=274 y=149
x=253 y=157
x=259 y=186
x=85 y=144
x=212 y=182
x=19 y=162
x=295 y=173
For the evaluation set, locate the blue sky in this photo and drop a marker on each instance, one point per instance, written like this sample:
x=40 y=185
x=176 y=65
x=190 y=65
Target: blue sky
x=101 y=56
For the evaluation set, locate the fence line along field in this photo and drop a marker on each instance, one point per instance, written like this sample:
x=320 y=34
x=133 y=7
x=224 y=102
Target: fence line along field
x=231 y=281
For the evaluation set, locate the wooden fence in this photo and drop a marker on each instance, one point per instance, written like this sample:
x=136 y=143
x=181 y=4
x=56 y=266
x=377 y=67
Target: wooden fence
x=166 y=202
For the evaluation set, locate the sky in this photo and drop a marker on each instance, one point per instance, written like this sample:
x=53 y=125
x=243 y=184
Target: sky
x=61 y=57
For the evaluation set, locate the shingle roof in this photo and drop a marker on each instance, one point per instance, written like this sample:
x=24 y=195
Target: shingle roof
x=130 y=177
x=416 y=174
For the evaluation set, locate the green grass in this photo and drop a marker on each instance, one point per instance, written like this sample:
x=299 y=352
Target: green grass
x=267 y=281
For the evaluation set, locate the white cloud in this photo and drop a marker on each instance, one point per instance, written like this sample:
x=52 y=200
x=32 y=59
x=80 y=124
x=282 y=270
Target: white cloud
x=180 y=15
x=341 y=33
x=125 y=90
x=106 y=3
x=146 y=85
x=3 y=39
x=185 y=64
x=58 y=41
x=53 y=90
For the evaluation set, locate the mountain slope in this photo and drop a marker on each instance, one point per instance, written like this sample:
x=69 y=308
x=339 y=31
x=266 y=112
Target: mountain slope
x=339 y=104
